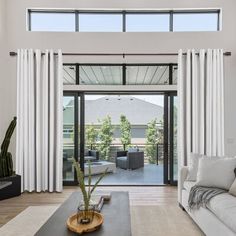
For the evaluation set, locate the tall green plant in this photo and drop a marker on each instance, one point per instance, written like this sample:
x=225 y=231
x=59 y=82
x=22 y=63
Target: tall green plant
x=86 y=192
x=160 y=132
x=6 y=164
x=105 y=137
x=125 y=129
x=91 y=136
x=151 y=141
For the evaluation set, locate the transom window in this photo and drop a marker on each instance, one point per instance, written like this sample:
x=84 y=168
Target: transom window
x=115 y=74
x=123 y=21
x=52 y=21
x=195 y=22
x=155 y=22
x=100 y=22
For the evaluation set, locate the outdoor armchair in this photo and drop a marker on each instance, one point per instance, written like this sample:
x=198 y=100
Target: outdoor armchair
x=130 y=160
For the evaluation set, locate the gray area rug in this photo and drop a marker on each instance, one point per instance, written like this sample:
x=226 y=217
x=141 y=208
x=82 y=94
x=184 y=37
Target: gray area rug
x=28 y=222
x=145 y=220
x=162 y=220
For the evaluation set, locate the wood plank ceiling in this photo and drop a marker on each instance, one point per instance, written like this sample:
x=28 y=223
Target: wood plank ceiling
x=112 y=75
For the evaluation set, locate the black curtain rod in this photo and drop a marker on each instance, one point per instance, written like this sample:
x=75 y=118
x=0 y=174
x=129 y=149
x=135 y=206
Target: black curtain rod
x=119 y=54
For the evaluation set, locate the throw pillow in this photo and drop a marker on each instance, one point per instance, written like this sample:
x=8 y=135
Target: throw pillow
x=193 y=166
x=232 y=189
x=214 y=172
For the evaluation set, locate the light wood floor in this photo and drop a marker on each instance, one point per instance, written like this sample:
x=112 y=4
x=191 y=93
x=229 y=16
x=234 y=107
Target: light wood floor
x=139 y=196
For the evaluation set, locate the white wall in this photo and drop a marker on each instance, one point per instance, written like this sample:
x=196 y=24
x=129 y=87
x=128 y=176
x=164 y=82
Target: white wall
x=5 y=89
x=18 y=37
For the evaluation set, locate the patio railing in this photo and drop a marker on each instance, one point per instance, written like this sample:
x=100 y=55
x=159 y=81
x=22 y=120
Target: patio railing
x=68 y=150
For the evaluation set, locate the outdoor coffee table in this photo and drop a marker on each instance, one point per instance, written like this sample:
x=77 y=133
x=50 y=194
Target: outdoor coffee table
x=116 y=217
x=99 y=167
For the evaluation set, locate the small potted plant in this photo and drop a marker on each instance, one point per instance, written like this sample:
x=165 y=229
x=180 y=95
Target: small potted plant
x=86 y=207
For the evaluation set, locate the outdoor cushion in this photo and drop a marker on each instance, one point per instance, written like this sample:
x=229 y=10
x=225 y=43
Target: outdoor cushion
x=89 y=158
x=86 y=152
x=133 y=150
x=224 y=207
x=188 y=185
x=122 y=158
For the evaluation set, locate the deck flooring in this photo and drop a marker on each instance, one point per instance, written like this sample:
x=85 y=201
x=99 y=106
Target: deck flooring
x=150 y=174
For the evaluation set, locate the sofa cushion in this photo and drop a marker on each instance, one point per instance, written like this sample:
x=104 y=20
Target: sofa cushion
x=232 y=189
x=218 y=173
x=224 y=207
x=194 y=163
x=193 y=166
x=188 y=185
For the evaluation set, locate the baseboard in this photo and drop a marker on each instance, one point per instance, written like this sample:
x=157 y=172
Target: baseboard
x=180 y=205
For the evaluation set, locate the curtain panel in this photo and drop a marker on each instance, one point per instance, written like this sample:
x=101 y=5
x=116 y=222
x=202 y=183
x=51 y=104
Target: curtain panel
x=39 y=112
x=201 y=103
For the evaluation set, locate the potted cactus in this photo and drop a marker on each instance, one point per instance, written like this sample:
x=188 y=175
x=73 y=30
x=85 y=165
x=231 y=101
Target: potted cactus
x=10 y=184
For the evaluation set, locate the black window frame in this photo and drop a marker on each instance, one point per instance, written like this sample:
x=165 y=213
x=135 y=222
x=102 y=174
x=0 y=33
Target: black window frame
x=124 y=13
x=124 y=71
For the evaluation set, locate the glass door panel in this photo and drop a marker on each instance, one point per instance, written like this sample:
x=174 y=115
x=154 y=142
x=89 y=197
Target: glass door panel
x=175 y=152
x=119 y=127
x=173 y=158
x=68 y=137
x=71 y=131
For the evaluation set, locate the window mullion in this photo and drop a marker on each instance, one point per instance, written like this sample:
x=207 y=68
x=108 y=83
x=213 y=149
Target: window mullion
x=124 y=21
x=171 y=21
x=29 y=20
x=76 y=21
x=124 y=74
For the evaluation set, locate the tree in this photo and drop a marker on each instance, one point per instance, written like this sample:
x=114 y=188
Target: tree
x=125 y=129
x=91 y=136
x=105 y=137
x=160 y=132
x=151 y=141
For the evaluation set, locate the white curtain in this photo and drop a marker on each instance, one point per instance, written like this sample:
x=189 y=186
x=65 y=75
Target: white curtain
x=39 y=113
x=201 y=103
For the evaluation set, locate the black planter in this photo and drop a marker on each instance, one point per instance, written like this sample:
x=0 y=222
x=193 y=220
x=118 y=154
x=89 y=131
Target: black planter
x=11 y=187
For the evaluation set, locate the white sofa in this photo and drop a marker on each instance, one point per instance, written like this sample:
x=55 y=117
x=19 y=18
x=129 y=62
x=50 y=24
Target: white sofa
x=219 y=219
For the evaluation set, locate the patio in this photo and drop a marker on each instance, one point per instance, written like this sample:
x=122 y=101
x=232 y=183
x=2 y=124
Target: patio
x=150 y=174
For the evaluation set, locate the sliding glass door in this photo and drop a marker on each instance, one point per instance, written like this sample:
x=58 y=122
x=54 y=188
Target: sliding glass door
x=150 y=121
